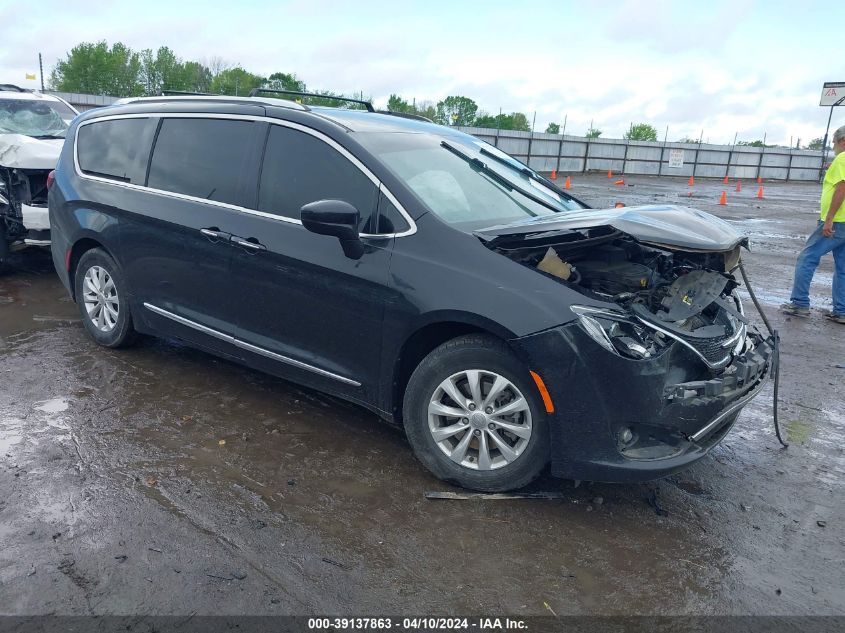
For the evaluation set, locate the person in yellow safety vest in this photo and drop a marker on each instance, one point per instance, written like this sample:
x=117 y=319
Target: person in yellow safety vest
x=829 y=237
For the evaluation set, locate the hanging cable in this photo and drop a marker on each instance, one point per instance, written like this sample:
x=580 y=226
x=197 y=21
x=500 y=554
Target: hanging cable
x=775 y=371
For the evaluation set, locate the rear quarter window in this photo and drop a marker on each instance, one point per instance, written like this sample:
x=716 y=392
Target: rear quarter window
x=116 y=149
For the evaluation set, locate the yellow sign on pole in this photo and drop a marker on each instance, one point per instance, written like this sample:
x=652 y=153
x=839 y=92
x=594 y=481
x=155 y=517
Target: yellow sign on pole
x=30 y=76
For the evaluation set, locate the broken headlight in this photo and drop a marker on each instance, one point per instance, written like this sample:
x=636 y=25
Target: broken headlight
x=618 y=333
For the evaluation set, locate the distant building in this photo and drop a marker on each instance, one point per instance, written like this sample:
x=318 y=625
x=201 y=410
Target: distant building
x=84 y=102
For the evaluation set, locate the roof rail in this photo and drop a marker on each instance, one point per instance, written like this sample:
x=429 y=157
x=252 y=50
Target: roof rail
x=406 y=115
x=366 y=104
x=12 y=88
x=187 y=93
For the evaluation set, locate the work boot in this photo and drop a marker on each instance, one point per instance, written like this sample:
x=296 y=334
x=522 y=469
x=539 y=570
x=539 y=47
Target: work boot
x=794 y=310
x=836 y=318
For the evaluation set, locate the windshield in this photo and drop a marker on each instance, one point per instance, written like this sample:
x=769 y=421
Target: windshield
x=462 y=184
x=33 y=118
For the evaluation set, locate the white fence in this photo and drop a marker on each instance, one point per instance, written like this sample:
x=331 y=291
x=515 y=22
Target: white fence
x=569 y=154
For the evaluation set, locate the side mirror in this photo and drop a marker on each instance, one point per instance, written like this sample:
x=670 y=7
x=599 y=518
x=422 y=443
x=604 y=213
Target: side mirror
x=338 y=218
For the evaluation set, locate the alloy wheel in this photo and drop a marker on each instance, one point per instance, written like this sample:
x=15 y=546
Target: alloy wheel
x=479 y=419
x=100 y=297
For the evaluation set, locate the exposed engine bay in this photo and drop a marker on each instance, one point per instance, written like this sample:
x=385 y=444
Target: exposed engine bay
x=663 y=295
x=23 y=206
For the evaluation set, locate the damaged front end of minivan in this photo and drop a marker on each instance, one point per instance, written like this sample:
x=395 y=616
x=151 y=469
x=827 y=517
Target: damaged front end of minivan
x=25 y=165
x=660 y=357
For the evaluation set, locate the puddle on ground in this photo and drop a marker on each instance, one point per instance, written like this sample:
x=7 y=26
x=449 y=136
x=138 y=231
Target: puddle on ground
x=53 y=406
x=10 y=434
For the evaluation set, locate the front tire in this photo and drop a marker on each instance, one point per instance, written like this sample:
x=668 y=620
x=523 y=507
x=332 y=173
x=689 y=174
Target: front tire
x=102 y=298
x=473 y=416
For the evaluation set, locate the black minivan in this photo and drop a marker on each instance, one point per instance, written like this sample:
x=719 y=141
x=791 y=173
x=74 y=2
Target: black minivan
x=414 y=270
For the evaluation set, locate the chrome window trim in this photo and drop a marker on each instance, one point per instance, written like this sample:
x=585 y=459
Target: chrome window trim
x=412 y=226
x=248 y=346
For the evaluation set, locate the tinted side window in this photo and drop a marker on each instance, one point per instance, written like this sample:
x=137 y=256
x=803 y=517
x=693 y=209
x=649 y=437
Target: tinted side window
x=299 y=168
x=204 y=158
x=116 y=149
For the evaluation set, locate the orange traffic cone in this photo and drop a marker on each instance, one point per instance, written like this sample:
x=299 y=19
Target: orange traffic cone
x=691 y=181
x=554 y=174
x=618 y=205
x=760 y=193
x=619 y=182
x=739 y=185
x=723 y=200
x=726 y=179
x=609 y=174
x=567 y=184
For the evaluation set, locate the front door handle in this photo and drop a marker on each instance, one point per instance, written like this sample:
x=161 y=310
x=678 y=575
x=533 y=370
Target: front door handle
x=213 y=233
x=251 y=243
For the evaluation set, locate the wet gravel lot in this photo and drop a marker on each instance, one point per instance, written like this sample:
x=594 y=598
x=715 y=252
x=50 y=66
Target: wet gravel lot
x=162 y=480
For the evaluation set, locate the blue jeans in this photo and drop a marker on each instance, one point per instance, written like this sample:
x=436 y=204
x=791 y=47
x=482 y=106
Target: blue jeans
x=818 y=245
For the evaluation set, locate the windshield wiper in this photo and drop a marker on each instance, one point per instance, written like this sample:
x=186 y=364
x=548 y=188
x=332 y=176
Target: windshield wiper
x=480 y=166
x=493 y=174
x=45 y=136
x=521 y=169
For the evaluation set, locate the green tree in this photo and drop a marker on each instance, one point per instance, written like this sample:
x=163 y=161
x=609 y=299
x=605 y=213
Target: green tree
x=513 y=121
x=163 y=71
x=94 y=68
x=235 y=81
x=816 y=143
x=285 y=81
x=427 y=109
x=757 y=143
x=593 y=133
x=397 y=104
x=519 y=121
x=552 y=128
x=687 y=139
x=456 y=110
x=197 y=77
x=641 y=132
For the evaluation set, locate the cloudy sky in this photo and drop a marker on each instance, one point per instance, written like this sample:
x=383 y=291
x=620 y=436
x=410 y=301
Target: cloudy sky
x=726 y=67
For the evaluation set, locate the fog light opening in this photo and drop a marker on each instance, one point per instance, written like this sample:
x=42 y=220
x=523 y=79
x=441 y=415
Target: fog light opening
x=626 y=435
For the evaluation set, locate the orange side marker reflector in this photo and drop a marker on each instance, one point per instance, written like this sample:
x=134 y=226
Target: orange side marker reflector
x=544 y=393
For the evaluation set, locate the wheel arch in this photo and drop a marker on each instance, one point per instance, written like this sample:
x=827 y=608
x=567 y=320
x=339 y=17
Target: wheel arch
x=79 y=248
x=425 y=339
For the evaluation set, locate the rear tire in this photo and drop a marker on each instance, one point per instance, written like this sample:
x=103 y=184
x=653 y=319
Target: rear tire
x=474 y=418
x=102 y=298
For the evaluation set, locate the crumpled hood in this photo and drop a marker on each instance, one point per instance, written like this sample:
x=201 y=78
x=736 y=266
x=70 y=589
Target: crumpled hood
x=26 y=152
x=660 y=225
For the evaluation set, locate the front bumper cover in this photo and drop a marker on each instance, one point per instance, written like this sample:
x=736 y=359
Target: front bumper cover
x=674 y=408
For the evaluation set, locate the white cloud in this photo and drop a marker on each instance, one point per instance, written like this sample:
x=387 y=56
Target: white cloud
x=726 y=66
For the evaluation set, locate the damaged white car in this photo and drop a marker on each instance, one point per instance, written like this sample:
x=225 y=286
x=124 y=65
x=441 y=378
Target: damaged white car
x=32 y=132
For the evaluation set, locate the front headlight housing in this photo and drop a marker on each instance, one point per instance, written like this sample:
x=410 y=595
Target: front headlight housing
x=619 y=334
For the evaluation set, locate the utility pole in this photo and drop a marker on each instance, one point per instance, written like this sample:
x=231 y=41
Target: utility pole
x=824 y=142
x=41 y=71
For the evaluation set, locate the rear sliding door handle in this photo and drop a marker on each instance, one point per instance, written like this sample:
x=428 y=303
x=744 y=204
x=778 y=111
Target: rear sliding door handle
x=252 y=244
